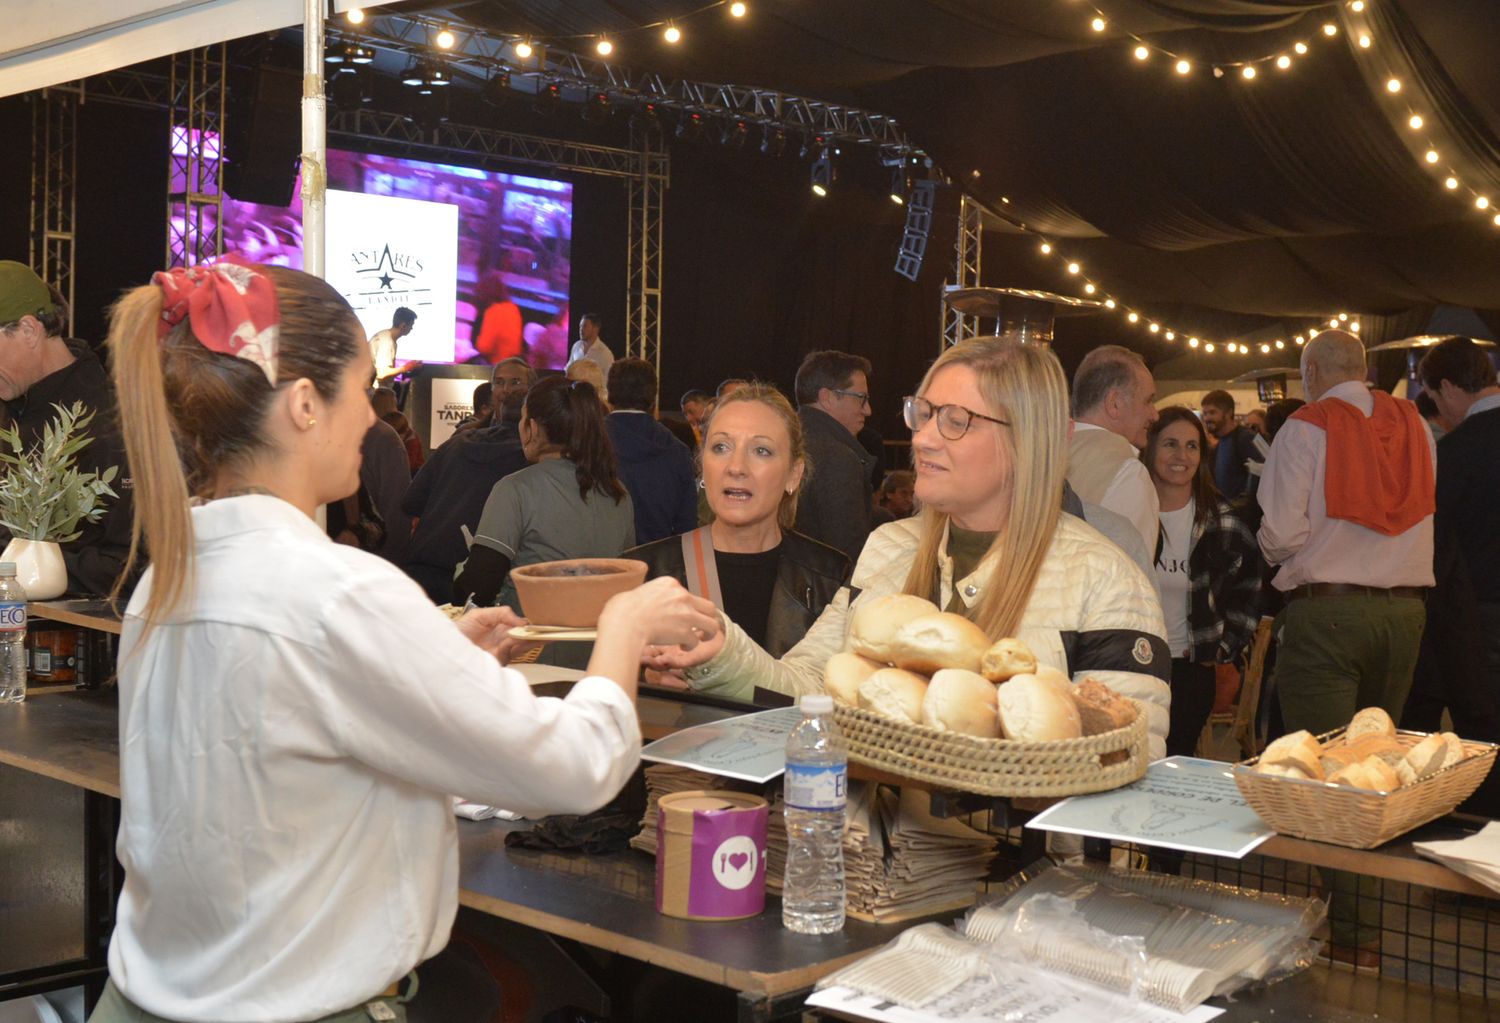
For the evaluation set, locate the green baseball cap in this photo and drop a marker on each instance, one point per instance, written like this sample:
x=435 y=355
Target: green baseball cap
x=22 y=293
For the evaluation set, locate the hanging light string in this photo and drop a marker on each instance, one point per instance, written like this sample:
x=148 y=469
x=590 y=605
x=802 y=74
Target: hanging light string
x=1144 y=51
x=605 y=43
x=1420 y=119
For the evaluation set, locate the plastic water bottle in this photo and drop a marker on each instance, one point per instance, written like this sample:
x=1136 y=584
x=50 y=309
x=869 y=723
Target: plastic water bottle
x=12 y=635
x=817 y=790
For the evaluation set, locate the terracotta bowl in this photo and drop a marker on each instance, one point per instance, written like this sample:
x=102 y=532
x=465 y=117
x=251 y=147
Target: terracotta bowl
x=573 y=592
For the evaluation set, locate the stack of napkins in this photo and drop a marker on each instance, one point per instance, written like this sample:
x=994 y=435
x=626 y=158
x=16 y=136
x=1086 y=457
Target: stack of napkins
x=1476 y=857
x=664 y=780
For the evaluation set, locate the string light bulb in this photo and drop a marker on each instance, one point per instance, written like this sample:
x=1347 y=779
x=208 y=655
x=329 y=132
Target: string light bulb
x=1073 y=268
x=1134 y=317
x=1415 y=122
x=1248 y=71
x=604 y=47
x=1364 y=42
x=445 y=39
x=1330 y=30
x=1192 y=342
x=1357 y=6
x=1334 y=322
x=673 y=34
x=1141 y=53
x=1280 y=344
x=1098 y=25
x=1283 y=62
x=1209 y=347
x=1109 y=303
x=1451 y=183
x=355 y=16
x=1089 y=289
x=1343 y=317
x=1183 y=67
x=1496 y=220
x=1354 y=326
x=1481 y=202
x=523 y=49
x=1393 y=85
x=1301 y=49
x=737 y=9
x=1265 y=349
x=1046 y=249
x=1432 y=156
x=1170 y=335
x=1154 y=328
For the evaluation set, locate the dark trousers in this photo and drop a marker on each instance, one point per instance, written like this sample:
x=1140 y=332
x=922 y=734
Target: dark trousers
x=1338 y=655
x=1193 y=689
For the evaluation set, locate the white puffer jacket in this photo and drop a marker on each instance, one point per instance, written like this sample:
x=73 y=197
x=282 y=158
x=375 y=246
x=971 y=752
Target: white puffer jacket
x=1092 y=614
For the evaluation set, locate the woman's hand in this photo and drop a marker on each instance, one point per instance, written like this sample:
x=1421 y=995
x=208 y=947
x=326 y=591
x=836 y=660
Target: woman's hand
x=488 y=628
x=664 y=612
x=667 y=657
x=665 y=679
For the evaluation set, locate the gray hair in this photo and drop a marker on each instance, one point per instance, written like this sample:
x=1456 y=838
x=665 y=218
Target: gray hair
x=1106 y=368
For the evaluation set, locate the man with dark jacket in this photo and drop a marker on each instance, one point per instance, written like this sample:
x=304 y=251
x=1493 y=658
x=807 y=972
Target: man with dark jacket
x=655 y=466
x=449 y=492
x=1459 y=666
x=833 y=401
x=1236 y=445
x=40 y=368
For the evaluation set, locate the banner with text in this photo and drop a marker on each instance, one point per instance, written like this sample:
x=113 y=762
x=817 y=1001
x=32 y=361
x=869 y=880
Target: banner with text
x=452 y=403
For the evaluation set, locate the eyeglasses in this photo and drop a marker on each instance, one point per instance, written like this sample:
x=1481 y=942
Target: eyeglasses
x=953 y=421
x=864 y=399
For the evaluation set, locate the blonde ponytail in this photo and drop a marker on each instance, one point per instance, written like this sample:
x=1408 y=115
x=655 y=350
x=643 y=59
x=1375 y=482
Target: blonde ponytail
x=163 y=525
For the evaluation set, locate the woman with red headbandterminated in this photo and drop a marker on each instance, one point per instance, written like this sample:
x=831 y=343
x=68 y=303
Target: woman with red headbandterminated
x=294 y=713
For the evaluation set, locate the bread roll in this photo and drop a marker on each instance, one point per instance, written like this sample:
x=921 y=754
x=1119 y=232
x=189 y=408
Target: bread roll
x=1282 y=771
x=1370 y=773
x=1037 y=710
x=1006 y=659
x=1370 y=721
x=1428 y=756
x=876 y=621
x=894 y=693
x=1455 y=749
x=1299 y=750
x=936 y=641
x=961 y=701
x=1405 y=775
x=1100 y=708
x=843 y=674
x=1342 y=754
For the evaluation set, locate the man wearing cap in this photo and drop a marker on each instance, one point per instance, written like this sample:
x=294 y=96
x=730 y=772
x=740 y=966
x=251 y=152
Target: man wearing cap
x=40 y=368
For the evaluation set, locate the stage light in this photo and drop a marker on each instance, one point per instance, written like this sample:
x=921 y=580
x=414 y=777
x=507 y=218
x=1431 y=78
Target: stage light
x=347 y=89
x=604 y=47
x=735 y=133
x=595 y=109
x=1183 y=67
x=1415 y=122
x=1248 y=71
x=822 y=175
x=737 y=9
x=358 y=54
x=497 y=88
x=673 y=34
x=415 y=75
x=547 y=98
x=645 y=117
x=899 y=186
x=1141 y=53
x=438 y=77
x=690 y=125
x=1283 y=62
x=445 y=39
x=773 y=141
x=355 y=16
x=523 y=49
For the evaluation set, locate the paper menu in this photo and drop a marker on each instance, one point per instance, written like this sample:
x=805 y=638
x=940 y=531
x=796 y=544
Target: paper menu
x=1015 y=992
x=751 y=747
x=1182 y=803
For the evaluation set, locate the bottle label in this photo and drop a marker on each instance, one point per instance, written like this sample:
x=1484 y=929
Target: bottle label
x=814 y=787
x=13 y=616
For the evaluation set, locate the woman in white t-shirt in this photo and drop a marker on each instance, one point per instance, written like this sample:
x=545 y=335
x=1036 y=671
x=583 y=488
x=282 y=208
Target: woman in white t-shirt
x=1208 y=570
x=295 y=715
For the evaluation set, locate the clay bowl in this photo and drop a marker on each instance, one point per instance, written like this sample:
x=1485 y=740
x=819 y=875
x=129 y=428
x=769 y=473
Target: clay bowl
x=573 y=592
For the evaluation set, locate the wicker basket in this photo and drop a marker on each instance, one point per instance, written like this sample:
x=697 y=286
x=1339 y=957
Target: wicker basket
x=1359 y=818
x=995 y=767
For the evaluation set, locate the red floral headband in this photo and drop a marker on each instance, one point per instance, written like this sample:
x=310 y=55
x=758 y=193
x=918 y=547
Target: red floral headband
x=231 y=309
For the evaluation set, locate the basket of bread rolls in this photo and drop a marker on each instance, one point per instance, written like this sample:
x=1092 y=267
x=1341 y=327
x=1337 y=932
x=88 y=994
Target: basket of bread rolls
x=926 y=695
x=1363 y=784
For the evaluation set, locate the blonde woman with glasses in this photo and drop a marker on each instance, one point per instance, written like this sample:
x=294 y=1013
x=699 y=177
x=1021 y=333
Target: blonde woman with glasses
x=989 y=445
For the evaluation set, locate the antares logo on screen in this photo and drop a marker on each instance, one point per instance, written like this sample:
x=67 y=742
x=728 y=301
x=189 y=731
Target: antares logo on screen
x=482 y=258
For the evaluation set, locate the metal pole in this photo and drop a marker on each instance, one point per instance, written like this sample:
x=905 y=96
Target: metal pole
x=314 y=139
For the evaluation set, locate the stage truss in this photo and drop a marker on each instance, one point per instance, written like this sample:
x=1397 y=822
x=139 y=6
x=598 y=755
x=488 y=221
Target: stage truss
x=966 y=252
x=54 y=186
x=195 y=164
x=647 y=191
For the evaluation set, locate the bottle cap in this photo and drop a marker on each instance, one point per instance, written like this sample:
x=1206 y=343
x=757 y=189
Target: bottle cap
x=7 y=569
x=815 y=703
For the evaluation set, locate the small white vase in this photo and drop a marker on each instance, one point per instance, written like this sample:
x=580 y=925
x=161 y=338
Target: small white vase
x=39 y=567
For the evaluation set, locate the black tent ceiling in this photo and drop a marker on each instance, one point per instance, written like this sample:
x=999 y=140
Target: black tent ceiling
x=1297 y=193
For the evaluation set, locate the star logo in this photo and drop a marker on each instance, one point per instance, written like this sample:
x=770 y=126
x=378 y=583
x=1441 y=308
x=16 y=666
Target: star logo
x=385 y=281
x=386 y=271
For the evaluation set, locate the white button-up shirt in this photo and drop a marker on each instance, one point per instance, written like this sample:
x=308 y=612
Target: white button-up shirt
x=289 y=738
x=1131 y=494
x=1297 y=534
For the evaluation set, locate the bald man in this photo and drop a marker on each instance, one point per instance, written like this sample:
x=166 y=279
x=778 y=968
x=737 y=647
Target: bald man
x=1348 y=495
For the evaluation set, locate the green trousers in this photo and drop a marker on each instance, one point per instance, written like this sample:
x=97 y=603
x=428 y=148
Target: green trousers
x=114 y=1007
x=1337 y=655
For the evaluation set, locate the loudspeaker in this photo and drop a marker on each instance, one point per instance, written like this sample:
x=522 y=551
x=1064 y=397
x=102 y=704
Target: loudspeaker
x=918 y=227
x=263 y=137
